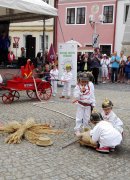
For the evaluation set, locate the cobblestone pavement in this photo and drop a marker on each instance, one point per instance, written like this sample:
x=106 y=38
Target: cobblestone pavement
x=26 y=161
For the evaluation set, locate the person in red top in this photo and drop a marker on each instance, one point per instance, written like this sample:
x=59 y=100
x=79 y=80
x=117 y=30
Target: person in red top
x=28 y=69
x=11 y=57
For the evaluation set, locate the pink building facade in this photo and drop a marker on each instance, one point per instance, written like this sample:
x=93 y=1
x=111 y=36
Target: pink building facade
x=89 y=22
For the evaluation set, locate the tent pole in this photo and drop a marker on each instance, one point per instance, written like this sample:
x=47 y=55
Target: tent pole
x=43 y=41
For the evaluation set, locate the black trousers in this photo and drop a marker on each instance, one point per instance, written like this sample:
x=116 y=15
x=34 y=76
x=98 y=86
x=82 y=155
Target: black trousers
x=114 y=74
x=95 y=72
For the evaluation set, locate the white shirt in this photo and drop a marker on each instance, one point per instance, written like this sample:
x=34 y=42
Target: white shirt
x=124 y=58
x=54 y=73
x=104 y=63
x=114 y=120
x=67 y=76
x=105 y=134
x=86 y=97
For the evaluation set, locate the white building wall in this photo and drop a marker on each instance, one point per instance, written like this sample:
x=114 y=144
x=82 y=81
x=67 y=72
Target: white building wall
x=120 y=24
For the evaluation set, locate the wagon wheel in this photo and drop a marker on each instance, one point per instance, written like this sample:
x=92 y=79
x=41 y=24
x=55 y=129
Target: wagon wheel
x=16 y=95
x=44 y=90
x=31 y=94
x=7 y=98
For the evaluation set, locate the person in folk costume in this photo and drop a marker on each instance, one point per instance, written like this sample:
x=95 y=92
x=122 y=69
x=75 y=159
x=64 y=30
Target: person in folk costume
x=104 y=67
x=110 y=116
x=54 y=77
x=85 y=98
x=67 y=78
x=103 y=137
x=27 y=70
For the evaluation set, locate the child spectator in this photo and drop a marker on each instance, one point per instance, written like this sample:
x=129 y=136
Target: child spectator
x=67 y=78
x=127 y=70
x=104 y=68
x=84 y=95
x=110 y=116
x=46 y=73
x=104 y=133
x=54 y=77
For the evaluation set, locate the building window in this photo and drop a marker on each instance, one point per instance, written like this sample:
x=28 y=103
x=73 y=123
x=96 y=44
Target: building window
x=126 y=11
x=76 y=15
x=108 y=14
x=71 y=16
x=46 y=42
x=80 y=16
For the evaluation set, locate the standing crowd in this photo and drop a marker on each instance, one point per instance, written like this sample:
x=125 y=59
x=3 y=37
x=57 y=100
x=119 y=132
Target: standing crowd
x=114 y=69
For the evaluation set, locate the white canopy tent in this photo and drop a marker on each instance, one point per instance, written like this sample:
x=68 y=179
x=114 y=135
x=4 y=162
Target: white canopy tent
x=25 y=10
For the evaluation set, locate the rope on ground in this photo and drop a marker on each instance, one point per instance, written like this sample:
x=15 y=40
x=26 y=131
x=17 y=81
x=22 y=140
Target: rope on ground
x=54 y=111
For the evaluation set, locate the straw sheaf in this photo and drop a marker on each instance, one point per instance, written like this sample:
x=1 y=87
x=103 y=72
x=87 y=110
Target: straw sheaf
x=28 y=130
x=16 y=137
x=42 y=129
x=87 y=140
x=31 y=136
x=10 y=127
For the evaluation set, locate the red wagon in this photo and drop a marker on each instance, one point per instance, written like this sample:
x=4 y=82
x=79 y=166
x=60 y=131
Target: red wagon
x=34 y=87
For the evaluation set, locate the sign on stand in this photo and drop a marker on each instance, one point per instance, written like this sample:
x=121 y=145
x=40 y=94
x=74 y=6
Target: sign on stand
x=16 y=40
x=67 y=54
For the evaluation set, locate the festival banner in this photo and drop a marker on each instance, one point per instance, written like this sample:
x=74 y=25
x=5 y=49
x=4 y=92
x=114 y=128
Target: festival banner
x=67 y=54
x=51 y=54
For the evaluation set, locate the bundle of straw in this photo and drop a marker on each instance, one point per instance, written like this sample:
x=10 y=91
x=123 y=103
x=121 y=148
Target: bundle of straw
x=10 y=127
x=16 y=136
x=29 y=130
x=31 y=136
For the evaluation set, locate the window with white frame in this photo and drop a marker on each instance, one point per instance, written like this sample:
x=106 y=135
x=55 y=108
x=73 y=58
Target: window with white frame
x=46 y=42
x=126 y=12
x=76 y=15
x=80 y=19
x=71 y=16
x=108 y=14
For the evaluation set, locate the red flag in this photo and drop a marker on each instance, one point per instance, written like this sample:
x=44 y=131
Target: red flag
x=51 y=54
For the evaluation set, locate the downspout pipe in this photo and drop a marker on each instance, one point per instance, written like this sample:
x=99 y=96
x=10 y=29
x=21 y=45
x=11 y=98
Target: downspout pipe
x=55 y=27
x=114 y=35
